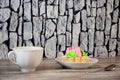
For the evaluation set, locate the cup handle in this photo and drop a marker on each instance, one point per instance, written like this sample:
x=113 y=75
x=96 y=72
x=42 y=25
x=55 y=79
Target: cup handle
x=10 y=57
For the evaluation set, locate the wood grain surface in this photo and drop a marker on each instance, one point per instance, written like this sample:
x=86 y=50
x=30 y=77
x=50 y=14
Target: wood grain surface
x=51 y=70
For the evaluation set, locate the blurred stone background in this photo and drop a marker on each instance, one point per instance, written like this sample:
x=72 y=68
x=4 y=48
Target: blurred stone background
x=94 y=25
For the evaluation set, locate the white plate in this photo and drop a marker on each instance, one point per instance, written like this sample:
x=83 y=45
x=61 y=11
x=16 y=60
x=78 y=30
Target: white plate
x=76 y=65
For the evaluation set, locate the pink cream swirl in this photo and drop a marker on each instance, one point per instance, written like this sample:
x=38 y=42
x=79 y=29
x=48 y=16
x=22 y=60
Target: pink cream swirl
x=76 y=49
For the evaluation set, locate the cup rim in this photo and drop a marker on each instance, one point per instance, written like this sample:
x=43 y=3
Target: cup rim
x=27 y=48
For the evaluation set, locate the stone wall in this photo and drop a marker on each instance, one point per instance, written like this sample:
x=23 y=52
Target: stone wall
x=94 y=25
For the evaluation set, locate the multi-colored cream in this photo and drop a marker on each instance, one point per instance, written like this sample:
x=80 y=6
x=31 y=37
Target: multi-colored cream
x=75 y=54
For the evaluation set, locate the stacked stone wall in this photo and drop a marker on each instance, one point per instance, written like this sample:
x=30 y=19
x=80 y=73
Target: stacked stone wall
x=94 y=25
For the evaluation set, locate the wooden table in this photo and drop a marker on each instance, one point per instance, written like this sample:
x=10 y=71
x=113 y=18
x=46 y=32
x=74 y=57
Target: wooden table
x=50 y=70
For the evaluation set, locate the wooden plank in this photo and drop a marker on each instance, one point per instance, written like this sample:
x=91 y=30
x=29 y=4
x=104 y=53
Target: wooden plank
x=51 y=70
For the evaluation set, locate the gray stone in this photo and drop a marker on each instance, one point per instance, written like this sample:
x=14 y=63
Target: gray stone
x=15 y=4
x=93 y=12
x=66 y=13
x=21 y=2
x=3 y=26
x=70 y=17
x=100 y=20
x=94 y=3
x=28 y=43
x=37 y=28
x=69 y=21
x=117 y=3
x=99 y=38
x=108 y=25
x=56 y=2
x=88 y=7
x=82 y=4
x=13 y=40
x=112 y=44
x=27 y=11
x=61 y=42
x=4 y=14
x=112 y=54
x=69 y=25
x=36 y=36
x=84 y=41
x=107 y=39
x=79 y=4
x=27 y=31
x=100 y=3
x=118 y=48
x=3 y=52
x=61 y=26
x=35 y=7
x=50 y=47
x=54 y=21
x=4 y=3
x=37 y=24
x=68 y=39
x=119 y=29
x=115 y=15
x=44 y=16
x=3 y=36
x=110 y=6
x=91 y=40
x=43 y=24
x=62 y=6
x=60 y=54
x=13 y=21
x=20 y=10
x=50 y=1
x=77 y=17
x=42 y=40
x=91 y=22
x=42 y=7
x=69 y=4
x=20 y=27
x=114 y=31
x=50 y=28
x=75 y=34
x=93 y=17
x=55 y=33
x=20 y=41
x=101 y=51
x=25 y=1
x=52 y=11
x=84 y=20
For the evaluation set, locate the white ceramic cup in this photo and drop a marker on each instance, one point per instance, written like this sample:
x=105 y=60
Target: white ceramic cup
x=28 y=58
